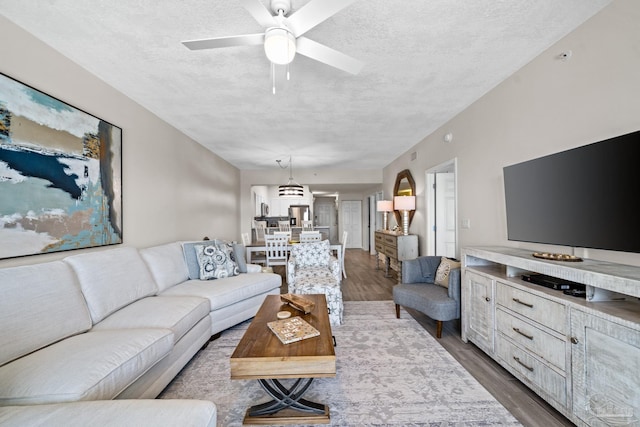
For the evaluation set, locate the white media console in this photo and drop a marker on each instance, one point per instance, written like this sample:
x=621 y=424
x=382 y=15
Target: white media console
x=582 y=355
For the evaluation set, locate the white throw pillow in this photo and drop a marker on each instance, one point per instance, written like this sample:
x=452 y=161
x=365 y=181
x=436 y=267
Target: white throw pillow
x=442 y=273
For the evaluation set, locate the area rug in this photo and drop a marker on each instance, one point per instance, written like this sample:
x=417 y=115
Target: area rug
x=390 y=372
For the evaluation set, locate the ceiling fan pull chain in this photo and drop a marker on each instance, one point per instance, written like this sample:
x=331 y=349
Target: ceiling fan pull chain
x=288 y=76
x=273 y=77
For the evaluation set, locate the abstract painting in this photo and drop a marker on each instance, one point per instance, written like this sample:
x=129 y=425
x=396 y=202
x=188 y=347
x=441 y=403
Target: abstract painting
x=60 y=175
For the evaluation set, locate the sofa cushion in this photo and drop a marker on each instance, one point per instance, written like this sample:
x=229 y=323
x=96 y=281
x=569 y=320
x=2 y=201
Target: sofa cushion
x=228 y=291
x=191 y=258
x=239 y=252
x=216 y=261
x=111 y=279
x=177 y=313
x=90 y=366
x=39 y=305
x=115 y=413
x=166 y=263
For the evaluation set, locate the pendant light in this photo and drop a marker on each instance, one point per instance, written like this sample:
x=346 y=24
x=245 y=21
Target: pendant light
x=292 y=188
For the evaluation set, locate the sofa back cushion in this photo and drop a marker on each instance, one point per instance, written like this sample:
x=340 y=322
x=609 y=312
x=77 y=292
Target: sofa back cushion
x=111 y=279
x=39 y=304
x=191 y=258
x=167 y=264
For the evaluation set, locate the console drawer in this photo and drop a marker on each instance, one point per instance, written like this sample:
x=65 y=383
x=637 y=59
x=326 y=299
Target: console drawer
x=528 y=336
x=546 y=312
x=532 y=371
x=390 y=241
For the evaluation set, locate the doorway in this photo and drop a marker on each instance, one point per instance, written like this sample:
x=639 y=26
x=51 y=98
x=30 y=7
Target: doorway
x=441 y=202
x=351 y=214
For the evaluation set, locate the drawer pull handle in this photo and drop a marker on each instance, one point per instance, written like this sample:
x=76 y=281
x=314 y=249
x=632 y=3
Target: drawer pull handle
x=523 y=303
x=523 y=334
x=487 y=299
x=517 y=359
x=574 y=340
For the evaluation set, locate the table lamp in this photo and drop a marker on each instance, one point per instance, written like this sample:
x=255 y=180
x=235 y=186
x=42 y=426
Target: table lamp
x=384 y=206
x=404 y=204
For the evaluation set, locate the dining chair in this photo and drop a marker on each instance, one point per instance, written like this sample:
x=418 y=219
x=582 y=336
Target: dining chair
x=307 y=225
x=277 y=249
x=345 y=235
x=246 y=240
x=284 y=226
x=261 y=227
x=283 y=233
x=310 y=236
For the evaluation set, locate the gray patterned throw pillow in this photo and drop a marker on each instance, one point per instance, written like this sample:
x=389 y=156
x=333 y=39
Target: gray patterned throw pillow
x=216 y=261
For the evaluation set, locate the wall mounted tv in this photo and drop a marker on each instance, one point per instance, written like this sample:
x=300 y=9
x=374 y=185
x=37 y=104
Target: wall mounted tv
x=585 y=197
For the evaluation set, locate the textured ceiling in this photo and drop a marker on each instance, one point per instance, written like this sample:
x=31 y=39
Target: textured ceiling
x=425 y=61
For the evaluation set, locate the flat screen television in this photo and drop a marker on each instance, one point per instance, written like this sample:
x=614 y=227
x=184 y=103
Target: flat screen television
x=585 y=197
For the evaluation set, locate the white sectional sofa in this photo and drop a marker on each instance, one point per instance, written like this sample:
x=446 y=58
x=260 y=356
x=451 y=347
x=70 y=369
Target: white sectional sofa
x=112 y=324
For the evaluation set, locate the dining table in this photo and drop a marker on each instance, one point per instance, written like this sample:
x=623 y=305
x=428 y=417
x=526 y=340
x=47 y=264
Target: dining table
x=261 y=247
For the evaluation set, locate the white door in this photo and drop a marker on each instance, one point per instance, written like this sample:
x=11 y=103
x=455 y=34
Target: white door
x=441 y=210
x=445 y=214
x=351 y=213
x=325 y=213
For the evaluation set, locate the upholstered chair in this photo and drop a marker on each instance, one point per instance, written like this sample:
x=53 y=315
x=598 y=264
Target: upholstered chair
x=312 y=269
x=430 y=285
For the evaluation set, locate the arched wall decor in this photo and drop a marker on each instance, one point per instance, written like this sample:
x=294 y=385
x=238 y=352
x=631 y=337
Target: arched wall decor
x=404 y=186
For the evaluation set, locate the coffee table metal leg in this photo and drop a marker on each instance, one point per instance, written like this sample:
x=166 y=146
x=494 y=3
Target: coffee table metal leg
x=284 y=397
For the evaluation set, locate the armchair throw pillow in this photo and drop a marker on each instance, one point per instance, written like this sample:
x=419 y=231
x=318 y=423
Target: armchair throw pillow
x=442 y=273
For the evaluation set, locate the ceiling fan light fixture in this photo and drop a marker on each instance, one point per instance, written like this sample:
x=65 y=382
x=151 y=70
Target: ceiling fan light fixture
x=279 y=45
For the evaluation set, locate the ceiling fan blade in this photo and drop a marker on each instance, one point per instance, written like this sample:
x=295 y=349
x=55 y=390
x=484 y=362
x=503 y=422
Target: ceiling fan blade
x=260 y=13
x=244 y=40
x=313 y=13
x=325 y=54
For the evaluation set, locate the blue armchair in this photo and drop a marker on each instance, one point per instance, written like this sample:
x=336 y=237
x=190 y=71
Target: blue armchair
x=420 y=291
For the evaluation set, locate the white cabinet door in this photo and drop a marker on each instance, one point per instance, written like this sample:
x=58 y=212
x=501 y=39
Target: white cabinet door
x=479 y=310
x=605 y=360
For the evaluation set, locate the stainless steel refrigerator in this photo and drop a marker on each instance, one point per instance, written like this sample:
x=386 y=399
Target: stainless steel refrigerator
x=297 y=214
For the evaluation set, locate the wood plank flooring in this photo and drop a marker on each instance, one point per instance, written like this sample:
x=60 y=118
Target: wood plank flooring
x=365 y=283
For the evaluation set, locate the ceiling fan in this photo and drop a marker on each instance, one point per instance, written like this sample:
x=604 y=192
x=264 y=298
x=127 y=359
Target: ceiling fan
x=283 y=35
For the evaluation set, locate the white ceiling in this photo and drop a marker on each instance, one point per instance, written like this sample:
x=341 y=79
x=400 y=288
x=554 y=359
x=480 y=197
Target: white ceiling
x=425 y=61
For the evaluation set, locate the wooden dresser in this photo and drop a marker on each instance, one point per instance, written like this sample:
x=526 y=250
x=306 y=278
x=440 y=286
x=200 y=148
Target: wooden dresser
x=395 y=248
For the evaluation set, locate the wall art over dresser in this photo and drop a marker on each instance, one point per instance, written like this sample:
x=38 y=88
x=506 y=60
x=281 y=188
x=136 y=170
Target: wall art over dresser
x=60 y=175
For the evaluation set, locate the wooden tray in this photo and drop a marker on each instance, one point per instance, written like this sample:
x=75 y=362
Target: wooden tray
x=557 y=257
x=298 y=302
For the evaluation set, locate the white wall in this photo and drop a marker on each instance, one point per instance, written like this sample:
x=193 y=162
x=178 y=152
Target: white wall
x=547 y=106
x=173 y=188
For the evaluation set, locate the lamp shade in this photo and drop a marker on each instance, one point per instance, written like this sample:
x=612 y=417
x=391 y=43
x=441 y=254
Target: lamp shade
x=404 y=203
x=279 y=45
x=384 y=206
x=291 y=190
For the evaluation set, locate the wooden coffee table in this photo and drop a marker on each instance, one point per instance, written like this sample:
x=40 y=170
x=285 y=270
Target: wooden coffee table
x=260 y=355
